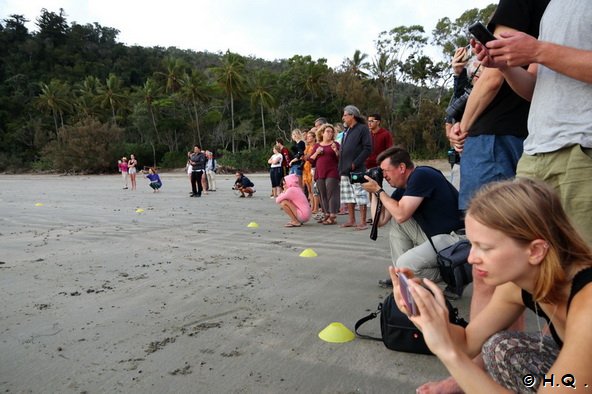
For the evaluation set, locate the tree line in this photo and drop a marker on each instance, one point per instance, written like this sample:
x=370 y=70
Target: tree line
x=72 y=98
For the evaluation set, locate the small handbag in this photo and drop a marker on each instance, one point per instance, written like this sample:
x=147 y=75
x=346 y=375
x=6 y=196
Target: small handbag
x=398 y=332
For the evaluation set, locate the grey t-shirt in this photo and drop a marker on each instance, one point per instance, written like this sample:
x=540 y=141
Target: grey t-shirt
x=561 y=109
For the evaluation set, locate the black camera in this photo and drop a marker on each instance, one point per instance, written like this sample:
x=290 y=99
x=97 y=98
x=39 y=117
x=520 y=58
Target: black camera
x=457 y=107
x=453 y=157
x=374 y=173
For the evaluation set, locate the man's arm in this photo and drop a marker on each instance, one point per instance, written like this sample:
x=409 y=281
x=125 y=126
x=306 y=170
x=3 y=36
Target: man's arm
x=401 y=210
x=518 y=49
x=484 y=90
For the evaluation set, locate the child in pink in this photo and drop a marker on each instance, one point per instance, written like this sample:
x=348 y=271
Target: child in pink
x=123 y=168
x=294 y=202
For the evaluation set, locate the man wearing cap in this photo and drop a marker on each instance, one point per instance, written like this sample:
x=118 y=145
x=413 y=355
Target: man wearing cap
x=356 y=146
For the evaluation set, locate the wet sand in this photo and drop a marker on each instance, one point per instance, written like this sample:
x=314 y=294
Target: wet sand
x=184 y=297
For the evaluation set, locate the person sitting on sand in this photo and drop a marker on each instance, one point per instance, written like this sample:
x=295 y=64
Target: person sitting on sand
x=155 y=182
x=244 y=185
x=524 y=245
x=294 y=202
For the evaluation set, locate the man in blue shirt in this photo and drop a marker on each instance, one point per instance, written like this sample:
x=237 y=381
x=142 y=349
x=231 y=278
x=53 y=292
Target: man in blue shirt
x=423 y=205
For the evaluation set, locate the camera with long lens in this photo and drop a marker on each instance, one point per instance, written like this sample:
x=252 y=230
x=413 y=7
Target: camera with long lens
x=457 y=106
x=374 y=173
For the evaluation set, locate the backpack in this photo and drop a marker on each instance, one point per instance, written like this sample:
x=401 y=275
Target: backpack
x=398 y=332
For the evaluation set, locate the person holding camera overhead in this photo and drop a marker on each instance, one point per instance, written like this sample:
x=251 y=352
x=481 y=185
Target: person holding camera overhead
x=356 y=146
x=424 y=205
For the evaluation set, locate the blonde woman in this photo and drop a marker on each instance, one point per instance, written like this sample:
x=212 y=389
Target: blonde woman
x=524 y=245
x=297 y=154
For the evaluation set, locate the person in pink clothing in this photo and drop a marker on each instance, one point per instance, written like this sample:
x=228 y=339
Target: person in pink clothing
x=123 y=169
x=294 y=202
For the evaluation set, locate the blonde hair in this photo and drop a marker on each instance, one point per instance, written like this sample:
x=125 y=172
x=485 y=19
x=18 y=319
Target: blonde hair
x=297 y=133
x=526 y=210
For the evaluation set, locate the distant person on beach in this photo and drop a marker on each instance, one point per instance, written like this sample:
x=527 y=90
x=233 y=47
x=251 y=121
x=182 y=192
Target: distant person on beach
x=243 y=185
x=155 y=182
x=294 y=202
x=211 y=168
x=123 y=168
x=132 y=163
x=198 y=165
x=286 y=154
x=275 y=171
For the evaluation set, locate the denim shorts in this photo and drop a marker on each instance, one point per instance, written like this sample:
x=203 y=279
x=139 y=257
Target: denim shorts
x=296 y=169
x=487 y=158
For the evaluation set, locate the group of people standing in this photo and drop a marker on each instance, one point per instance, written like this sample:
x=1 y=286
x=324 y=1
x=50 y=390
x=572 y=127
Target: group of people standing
x=323 y=158
x=201 y=163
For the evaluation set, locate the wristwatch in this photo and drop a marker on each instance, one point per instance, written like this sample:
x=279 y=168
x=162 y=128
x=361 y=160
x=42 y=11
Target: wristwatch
x=377 y=193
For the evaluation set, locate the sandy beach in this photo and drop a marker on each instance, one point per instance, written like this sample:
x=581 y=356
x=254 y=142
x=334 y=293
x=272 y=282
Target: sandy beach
x=184 y=297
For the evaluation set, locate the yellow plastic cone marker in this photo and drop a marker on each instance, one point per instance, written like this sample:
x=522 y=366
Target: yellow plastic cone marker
x=253 y=225
x=308 y=253
x=139 y=210
x=336 y=333
x=39 y=204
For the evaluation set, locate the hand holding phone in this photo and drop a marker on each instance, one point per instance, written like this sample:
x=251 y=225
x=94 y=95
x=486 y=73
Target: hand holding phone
x=481 y=33
x=406 y=294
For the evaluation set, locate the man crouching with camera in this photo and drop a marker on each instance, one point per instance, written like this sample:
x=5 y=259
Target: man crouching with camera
x=423 y=205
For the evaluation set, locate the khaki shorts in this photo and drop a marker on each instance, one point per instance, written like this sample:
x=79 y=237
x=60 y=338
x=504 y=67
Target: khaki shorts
x=569 y=172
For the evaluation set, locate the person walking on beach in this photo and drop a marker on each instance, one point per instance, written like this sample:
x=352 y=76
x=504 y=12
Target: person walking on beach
x=123 y=168
x=132 y=170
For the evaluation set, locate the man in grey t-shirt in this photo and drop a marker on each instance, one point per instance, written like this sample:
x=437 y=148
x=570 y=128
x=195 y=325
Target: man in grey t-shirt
x=558 y=149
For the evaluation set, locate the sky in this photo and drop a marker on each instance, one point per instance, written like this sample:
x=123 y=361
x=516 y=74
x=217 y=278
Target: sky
x=268 y=29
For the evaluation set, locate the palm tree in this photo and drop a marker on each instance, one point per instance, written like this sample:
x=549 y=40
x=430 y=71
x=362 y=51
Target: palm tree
x=86 y=96
x=111 y=94
x=230 y=77
x=174 y=72
x=149 y=92
x=260 y=94
x=357 y=64
x=55 y=97
x=194 y=89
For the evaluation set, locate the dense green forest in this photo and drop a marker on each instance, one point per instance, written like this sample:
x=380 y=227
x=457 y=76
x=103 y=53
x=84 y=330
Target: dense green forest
x=72 y=98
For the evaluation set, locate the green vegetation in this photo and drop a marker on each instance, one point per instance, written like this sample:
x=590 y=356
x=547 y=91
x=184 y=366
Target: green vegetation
x=74 y=99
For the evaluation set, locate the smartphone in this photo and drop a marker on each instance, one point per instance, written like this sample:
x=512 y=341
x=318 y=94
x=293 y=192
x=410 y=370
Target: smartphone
x=467 y=54
x=407 y=298
x=481 y=33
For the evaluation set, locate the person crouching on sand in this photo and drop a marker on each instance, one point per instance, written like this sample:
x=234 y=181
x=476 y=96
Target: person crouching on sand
x=294 y=202
x=155 y=182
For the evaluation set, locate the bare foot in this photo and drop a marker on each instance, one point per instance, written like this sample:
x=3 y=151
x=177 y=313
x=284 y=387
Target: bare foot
x=446 y=386
x=348 y=224
x=361 y=227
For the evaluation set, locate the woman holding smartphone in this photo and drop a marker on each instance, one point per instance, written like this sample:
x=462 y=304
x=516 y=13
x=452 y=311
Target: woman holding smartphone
x=524 y=244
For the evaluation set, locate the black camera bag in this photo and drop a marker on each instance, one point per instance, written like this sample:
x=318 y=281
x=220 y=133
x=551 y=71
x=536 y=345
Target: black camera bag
x=398 y=332
x=455 y=269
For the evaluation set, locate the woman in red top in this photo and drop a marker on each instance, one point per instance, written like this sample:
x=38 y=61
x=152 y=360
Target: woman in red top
x=326 y=158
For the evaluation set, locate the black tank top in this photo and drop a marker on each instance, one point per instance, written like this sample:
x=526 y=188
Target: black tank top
x=580 y=280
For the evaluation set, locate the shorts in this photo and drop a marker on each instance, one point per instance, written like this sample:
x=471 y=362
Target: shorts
x=569 y=172
x=487 y=158
x=132 y=170
x=155 y=185
x=276 y=176
x=352 y=193
x=296 y=169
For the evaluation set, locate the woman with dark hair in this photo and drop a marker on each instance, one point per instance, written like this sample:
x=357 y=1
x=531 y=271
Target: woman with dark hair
x=524 y=245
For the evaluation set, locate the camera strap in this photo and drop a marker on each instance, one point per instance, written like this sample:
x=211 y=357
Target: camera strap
x=374 y=231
